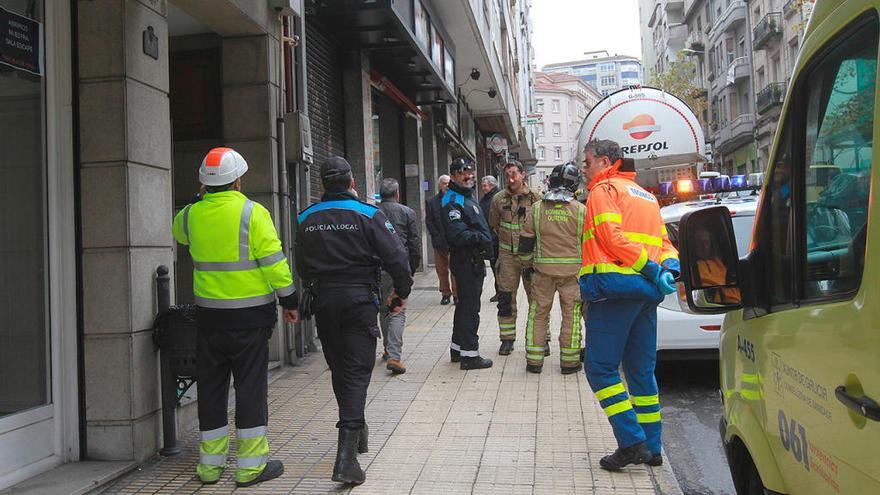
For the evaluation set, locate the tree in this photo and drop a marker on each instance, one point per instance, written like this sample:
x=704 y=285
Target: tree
x=680 y=80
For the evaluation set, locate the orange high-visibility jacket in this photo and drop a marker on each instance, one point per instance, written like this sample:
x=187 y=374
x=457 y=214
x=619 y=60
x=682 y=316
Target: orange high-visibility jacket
x=625 y=240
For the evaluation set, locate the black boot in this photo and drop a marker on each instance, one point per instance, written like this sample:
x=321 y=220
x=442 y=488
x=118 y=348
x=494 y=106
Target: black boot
x=567 y=370
x=547 y=349
x=454 y=356
x=583 y=353
x=634 y=454
x=363 y=440
x=272 y=470
x=506 y=347
x=534 y=368
x=475 y=363
x=656 y=460
x=347 y=469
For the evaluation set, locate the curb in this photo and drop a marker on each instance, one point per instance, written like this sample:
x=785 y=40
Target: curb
x=665 y=482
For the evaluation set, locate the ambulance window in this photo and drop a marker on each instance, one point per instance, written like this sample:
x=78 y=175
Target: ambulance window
x=838 y=151
x=774 y=236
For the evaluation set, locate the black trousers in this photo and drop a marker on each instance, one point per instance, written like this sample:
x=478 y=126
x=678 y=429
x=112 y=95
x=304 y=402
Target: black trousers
x=347 y=327
x=469 y=276
x=244 y=354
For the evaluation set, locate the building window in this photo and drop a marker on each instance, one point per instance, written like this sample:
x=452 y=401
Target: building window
x=557 y=152
x=540 y=130
x=609 y=80
x=557 y=129
x=539 y=103
x=555 y=106
x=542 y=152
x=608 y=67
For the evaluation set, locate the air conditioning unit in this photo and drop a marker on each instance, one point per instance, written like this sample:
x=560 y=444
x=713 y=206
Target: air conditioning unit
x=298 y=138
x=287 y=7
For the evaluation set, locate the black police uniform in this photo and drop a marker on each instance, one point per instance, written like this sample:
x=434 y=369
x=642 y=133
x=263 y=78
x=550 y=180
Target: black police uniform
x=340 y=246
x=470 y=244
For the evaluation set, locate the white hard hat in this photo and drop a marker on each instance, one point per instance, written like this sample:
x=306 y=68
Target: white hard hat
x=222 y=166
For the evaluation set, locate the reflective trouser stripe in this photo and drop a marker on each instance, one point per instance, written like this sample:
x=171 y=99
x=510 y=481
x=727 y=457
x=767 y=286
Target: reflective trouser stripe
x=653 y=417
x=610 y=391
x=532 y=352
x=571 y=355
x=645 y=400
x=454 y=346
x=507 y=329
x=618 y=408
x=573 y=352
x=213 y=449
x=469 y=353
x=252 y=453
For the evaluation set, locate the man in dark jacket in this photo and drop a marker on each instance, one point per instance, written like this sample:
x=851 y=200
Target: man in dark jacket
x=341 y=243
x=489 y=186
x=433 y=220
x=404 y=220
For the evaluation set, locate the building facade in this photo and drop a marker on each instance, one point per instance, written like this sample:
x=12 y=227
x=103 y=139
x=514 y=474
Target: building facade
x=606 y=73
x=563 y=102
x=665 y=34
x=103 y=133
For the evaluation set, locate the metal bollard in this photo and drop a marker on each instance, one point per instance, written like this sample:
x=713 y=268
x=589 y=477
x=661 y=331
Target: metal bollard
x=168 y=380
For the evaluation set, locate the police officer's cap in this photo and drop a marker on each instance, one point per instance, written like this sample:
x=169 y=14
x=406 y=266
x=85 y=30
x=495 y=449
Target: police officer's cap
x=335 y=166
x=460 y=165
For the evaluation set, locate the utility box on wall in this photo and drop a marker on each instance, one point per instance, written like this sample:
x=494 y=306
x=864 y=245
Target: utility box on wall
x=298 y=138
x=287 y=7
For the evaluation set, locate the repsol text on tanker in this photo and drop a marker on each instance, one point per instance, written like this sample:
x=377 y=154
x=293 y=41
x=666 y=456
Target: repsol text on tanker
x=641 y=148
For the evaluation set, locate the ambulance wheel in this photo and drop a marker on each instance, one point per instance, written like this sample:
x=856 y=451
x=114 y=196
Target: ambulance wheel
x=746 y=478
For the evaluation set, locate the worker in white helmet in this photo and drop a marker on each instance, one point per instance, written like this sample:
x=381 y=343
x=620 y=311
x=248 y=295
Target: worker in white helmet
x=239 y=272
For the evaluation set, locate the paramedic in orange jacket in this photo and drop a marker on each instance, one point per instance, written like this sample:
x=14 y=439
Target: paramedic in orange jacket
x=628 y=266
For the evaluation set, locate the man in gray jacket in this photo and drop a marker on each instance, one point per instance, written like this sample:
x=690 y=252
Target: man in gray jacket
x=403 y=218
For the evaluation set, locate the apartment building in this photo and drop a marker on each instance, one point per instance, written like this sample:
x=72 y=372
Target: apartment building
x=664 y=34
x=563 y=102
x=606 y=73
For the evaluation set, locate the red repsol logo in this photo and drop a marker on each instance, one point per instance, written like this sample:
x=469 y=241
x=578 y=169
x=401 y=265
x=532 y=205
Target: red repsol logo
x=641 y=148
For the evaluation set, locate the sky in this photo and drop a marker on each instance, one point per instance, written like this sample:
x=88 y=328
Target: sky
x=565 y=29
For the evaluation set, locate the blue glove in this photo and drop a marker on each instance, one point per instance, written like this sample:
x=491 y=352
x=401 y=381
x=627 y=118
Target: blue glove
x=666 y=283
x=651 y=271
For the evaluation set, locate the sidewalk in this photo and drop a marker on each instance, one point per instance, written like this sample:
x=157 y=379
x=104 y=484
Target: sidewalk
x=434 y=429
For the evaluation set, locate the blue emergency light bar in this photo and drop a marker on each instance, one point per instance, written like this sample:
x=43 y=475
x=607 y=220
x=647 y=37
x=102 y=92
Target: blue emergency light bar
x=705 y=186
x=738 y=182
x=666 y=189
x=721 y=183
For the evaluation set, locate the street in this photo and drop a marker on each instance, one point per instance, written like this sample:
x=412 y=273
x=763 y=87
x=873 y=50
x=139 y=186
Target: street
x=691 y=410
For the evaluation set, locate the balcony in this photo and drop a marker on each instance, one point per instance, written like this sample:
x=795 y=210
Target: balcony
x=769 y=28
x=674 y=6
x=791 y=8
x=735 y=133
x=733 y=16
x=696 y=42
x=770 y=97
x=741 y=68
x=677 y=32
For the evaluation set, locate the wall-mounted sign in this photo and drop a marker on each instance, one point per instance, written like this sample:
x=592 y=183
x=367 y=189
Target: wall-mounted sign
x=21 y=42
x=411 y=170
x=497 y=144
x=151 y=43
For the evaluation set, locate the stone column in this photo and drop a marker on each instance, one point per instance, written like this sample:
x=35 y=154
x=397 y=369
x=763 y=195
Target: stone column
x=429 y=144
x=413 y=158
x=359 y=122
x=125 y=152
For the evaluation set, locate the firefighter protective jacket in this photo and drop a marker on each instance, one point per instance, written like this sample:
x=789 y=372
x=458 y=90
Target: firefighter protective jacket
x=508 y=213
x=552 y=239
x=624 y=240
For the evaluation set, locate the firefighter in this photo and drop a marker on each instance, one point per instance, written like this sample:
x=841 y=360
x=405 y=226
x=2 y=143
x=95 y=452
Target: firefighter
x=239 y=269
x=551 y=244
x=628 y=266
x=341 y=244
x=510 y=208
x=470 y=244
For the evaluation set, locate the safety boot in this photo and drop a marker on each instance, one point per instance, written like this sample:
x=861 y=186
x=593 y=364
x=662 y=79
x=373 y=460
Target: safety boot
x=454 y=356
x=363 y=440
x=506 y=348
x=567 y=370
x=534 y=368
x=346 y=469
x=475 y=363
x=656 y=460
x=634 y=454
x=272 y=470
x=444 y=300
x=547 y=348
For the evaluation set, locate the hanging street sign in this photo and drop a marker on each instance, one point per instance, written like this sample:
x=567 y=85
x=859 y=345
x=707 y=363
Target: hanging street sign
x=21 y=42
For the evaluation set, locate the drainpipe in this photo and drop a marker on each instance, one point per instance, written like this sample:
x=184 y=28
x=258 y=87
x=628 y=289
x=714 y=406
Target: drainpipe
x=283 y=175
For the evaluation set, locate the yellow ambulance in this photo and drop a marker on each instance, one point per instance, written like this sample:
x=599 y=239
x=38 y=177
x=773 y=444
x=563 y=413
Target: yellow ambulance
x=800 y=347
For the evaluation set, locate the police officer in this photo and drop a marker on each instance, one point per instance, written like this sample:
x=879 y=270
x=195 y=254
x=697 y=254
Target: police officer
x=470 y=244
x=551 y=242
x=341 y=245
x=510 y=208
x=628 y=266
x=239 y=269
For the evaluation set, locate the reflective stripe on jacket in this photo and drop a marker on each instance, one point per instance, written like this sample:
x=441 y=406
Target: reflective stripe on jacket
x=508 y=213
x=623 y=232
x=557 y=228
x=237 y=257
